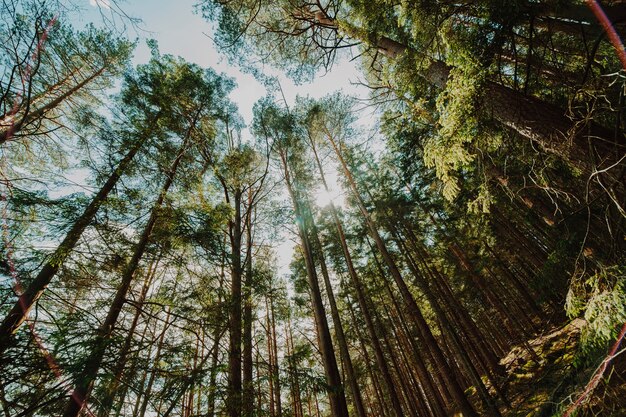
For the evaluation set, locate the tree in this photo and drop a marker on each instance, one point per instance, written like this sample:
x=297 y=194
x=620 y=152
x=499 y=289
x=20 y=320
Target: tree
x=274 y=124
x=193 y=120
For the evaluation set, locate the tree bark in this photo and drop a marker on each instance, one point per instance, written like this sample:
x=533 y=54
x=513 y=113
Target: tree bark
x=26 y=300
x=234 y=401
x=416 y=316
x=6 y=133
x=541 y=122
x=86 y=379
x=109 y=393
x=335 y=389
x=339 y=333
x=361 y=298
x=248 y=387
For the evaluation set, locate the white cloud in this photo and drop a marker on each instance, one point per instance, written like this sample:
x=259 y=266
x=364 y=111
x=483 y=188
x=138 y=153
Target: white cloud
x=101 y=3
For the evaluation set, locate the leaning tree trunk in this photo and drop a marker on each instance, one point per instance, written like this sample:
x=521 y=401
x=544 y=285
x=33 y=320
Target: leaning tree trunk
x=543 y=123
x=29 y=297
x=361 y=298
x=86 y=379
x=10 y=129
x=418 y=319
x=106 y=403
x=191 y=378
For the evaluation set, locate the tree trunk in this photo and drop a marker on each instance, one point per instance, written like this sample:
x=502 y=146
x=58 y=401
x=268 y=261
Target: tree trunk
x=276 y=369
x=234 y=401
x=157 y=356
x=109 y=393
x=248 y=387
x=29 y=297
x=191 y=378
x=86 y=379
x=339 y=334
x=7 y=132
x=361 y=298
x=213 y=374
x=335 y=389
x=416 y=316
x=270 y=357
x=541 y=122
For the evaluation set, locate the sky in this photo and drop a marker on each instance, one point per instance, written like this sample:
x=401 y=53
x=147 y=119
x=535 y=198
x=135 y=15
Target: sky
x=181 y=32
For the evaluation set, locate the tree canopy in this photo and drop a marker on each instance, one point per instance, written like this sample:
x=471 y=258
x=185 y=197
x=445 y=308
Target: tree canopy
x=455 y=240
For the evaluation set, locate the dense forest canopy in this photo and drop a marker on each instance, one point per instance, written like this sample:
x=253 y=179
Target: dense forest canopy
x=455 y=237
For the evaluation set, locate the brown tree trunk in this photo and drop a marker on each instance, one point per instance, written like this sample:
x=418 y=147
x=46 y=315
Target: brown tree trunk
x=234 y=400
x=157 y=357
x=270 y=355
x=335 y=389
x=276 y=368
x=248 y=387
x=29 y=297
x=86 y=379
x=361 y=298
x=541 y=122
x=109 y=393
x=213 y=374
x=191 y=378
x=10 y=129
x=341 y=338
x=416 y=316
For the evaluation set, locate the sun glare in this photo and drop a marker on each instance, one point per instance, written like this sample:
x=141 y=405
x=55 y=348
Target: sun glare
x=323 y=198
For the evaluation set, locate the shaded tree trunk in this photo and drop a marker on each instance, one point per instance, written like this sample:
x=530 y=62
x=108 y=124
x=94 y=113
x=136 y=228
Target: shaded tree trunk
x=335 y=389
x=86 y=379
x=416 y=316
x=339 y=333
x=361 y=298
x=19 y=312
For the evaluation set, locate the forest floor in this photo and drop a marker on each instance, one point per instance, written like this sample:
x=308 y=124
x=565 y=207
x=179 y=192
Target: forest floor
x=539 y=383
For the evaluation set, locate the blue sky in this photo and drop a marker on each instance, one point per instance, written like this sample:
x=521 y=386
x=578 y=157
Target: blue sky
x=179 y=31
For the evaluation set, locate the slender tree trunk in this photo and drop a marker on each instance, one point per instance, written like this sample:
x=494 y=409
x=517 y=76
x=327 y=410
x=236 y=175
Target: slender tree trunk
x=86 y=379
x=270 y=357
x=157 y=357
x=234 y=401
x=248 y=387
x=374 y=381
x=456 y=391
x=457 y=344
x=296 y=378
x=109 y=393
x=339 y=333
x=144 y=377
x=276 y=368
x=29 y=297
x=361 y=298
x=213 y=374
x=434 y=393
x=191 y=378
x=131 y=373
x=335 y=389
x=7 y=131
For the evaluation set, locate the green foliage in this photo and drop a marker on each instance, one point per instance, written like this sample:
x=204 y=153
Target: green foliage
x=448 y=152
x=601 y=300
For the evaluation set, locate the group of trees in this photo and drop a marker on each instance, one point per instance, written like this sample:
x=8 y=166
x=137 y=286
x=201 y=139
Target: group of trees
x=494 y=211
